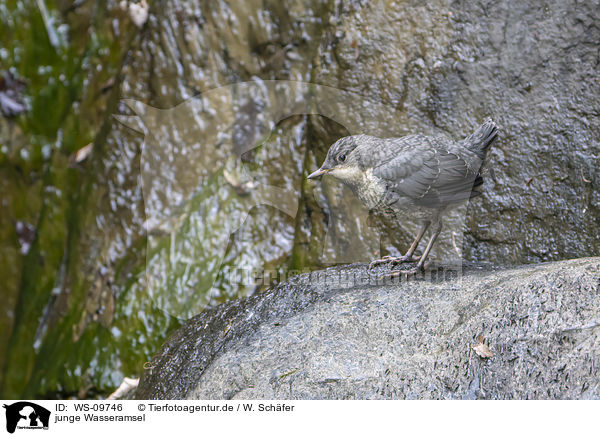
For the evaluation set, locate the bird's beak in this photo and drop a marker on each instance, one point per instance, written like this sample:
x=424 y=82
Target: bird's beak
x=319 y=172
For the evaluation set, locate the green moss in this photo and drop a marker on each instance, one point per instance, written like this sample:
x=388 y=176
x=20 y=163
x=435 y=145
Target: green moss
x=67 y=106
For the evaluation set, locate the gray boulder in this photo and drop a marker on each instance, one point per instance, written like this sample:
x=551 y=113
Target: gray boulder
x=343 y=334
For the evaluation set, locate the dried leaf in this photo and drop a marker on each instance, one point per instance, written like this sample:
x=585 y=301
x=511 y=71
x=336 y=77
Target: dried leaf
x=80 y=155
x=126 y=386
x=481 y=349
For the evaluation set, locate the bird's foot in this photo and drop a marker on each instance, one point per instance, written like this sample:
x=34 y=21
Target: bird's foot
x=393 y=260
x=405 y=272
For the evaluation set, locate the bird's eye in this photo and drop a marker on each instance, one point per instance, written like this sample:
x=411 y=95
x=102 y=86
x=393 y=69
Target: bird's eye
x=342 y=157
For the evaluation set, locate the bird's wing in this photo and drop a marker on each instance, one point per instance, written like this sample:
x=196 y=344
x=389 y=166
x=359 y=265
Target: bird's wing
x=425 y=171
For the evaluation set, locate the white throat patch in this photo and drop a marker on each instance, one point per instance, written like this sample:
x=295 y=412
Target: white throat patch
x=347 y=174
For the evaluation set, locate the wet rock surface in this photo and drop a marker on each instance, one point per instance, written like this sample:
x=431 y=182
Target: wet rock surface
x=79 y=311
x=532 y=66
x=314 y=338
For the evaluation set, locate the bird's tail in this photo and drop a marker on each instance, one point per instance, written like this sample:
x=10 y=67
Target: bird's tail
x=482 y=138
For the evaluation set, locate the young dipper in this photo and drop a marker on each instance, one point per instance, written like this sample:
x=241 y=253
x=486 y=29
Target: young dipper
x=415 y=177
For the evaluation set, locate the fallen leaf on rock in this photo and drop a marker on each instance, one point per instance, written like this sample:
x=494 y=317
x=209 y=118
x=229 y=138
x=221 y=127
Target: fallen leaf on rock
x=126 y=386
x=481 y=349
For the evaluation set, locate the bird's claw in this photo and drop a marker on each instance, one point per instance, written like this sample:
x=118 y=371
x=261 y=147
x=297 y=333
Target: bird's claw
x=420 y=268
x=393 y=260
x=405 y=272
x=384 y=259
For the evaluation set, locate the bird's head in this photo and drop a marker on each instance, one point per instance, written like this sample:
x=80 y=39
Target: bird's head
x=342 y=160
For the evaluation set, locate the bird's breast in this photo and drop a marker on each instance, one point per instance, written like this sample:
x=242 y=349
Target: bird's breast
x=372 y=191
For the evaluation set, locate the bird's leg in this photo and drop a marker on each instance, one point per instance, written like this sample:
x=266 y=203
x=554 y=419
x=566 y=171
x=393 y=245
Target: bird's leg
x=409 y=254
x=408 y=257
x=436 y=232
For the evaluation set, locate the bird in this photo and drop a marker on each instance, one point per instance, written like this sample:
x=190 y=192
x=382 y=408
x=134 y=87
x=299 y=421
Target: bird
x=414 y=177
